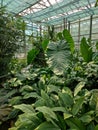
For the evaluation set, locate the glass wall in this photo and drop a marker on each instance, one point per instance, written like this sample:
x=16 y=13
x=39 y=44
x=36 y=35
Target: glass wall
x=82 y=28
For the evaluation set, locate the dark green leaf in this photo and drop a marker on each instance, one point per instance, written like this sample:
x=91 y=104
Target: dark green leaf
x=96 y=45
x=45 y=44
x=69 y=39
x=86 y=50
x=31 y=55
x=47 y=126
x=66 y=99
x=86 y=118
x=77 y=106
x=48 y=112
x=91 y=126
x=75 y=123
x=96 y=128
x=59 y=35
x=40 y=102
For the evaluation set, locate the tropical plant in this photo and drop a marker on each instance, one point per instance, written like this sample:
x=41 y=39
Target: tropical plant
x=38 y=99
x=96 y=4
x=67 y=36
x=16 y=65
x=51 y=32
x=86 y=50
x=58 y=52
x=59 y=56
x=60 y=109
x=10 y=37
x=36 y=56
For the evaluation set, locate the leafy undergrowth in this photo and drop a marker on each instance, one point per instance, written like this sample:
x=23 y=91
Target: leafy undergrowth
x=42 y=98
x=38 y=99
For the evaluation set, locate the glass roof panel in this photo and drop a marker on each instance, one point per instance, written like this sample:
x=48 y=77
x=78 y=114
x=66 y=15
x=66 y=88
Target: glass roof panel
x=64 y=8
x=16 y=6
x=51 y=11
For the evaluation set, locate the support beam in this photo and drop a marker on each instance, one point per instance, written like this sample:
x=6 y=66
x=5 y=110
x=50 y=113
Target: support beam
x=64 y=21
x=1 y=3
x=69 y=26
x=24 y=40
x=79 y=32
x=40 y=32
x=30 y=5
x=90 y=33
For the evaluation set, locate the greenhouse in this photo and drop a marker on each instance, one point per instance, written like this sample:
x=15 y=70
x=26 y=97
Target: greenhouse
x=48 y=64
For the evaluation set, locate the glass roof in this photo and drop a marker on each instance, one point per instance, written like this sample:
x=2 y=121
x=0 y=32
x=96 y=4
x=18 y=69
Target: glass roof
x=51 y=12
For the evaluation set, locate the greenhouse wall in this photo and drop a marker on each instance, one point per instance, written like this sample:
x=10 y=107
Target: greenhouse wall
x=82 y=28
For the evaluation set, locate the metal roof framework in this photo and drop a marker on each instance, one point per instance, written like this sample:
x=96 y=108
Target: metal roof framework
x=51 y=12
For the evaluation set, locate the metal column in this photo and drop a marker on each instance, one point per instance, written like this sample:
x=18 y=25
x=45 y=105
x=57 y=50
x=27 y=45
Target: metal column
x=90 y=33
x=79 y=32
x=1 y=3
x=69 y=26
x=40 y=32
x=65 y=23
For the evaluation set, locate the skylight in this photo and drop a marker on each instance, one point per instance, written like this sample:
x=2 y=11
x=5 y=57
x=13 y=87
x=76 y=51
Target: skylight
x=42 y=4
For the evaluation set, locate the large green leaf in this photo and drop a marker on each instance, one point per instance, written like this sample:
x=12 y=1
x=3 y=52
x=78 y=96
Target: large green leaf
x=69 y=39
x=13 y=128
x=96 y=128
x=75 y=123
x=52 y=88
x=26 y=88
x=62 y=109
x=78 y=88
x=15 y=100
x=86 y=50
x=86 y=118
x=94 y=100
x=46 y=98
x=40 y=102
x=45 y=44
x=67 y=115
x=59 y=35
x=31 y=95
x=59 y=56
x=27 y=121
x=91 y=126
x=48 y=112
x=77 y=106
x=31 y=55
x=25 y=108
x=66 y=99
x=47 y=126
x=68 y=91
